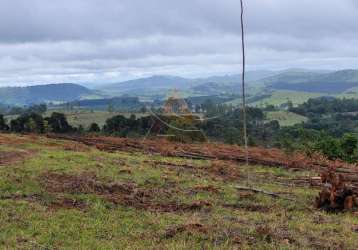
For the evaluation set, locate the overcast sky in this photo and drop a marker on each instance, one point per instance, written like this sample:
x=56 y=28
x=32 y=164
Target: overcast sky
x=100 y=41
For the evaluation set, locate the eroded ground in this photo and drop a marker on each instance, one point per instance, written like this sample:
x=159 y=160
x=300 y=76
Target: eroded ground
x=65 y=195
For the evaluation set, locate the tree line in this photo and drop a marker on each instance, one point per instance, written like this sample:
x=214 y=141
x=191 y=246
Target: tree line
x=330 y=130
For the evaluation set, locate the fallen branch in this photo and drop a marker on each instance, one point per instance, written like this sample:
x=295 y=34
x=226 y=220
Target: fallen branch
x=259 y=191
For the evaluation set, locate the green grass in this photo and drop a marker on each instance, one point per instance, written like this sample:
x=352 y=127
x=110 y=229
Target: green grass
x=86 y=117
x=258 y=221
x=281 y=97
x=286 y=118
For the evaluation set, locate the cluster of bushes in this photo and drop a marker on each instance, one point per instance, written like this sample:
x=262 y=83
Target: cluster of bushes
x=118 y=126
x=313 y=141
x=150 y=125
x=35 y=123
x=325 y=105
x=227 y=126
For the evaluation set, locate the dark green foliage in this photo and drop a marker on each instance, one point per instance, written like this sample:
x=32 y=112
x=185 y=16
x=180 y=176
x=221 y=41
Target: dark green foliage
x=124 y=104
x=325 y=105
x=3 y=125
x=58 y=123
x=313 y=141
x=94 y=128
x=31 y=123
x=133 y=127
x=39 y=109
x=227 y=125
x=349 y=145
x=122 y=126
x=329 y=147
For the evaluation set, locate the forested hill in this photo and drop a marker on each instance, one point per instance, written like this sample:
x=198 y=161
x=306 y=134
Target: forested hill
x=63 y=92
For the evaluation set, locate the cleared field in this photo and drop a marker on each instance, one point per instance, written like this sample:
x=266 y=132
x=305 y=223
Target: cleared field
x=66 y=195
x=86 y=117
x=281 y=97
x=285 y=118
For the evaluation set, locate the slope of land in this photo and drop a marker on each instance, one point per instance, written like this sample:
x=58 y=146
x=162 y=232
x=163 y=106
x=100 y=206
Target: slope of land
x=36 y=94
x=328 y=83
x=65 y=194
x=205 y=86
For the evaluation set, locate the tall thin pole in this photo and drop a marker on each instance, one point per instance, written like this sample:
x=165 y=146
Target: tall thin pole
x=243 y=83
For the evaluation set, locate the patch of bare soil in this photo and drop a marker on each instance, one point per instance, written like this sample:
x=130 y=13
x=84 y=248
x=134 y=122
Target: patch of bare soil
x=18 y=139
x=7 y=157
x=67 y=203
x=249 y=207
x=207 y=188
x=125 y=194
x=188 y=228
x=76 y=147
x=54 y=203
x=225 y=170
x=269 y=234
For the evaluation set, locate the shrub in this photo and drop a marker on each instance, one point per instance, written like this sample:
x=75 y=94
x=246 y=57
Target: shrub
x=94 y=128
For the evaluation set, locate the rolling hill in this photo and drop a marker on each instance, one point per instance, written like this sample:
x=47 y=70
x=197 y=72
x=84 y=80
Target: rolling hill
x=323 y=82
x=152 y=84
x=203 y=86
x=63 y=92
x=328 y=83
x=305 y=83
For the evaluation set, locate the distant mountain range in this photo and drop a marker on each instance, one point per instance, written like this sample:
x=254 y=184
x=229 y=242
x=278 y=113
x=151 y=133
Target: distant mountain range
x=63 y=92
x=329 y=83
x=163 y=84
x=258 y=83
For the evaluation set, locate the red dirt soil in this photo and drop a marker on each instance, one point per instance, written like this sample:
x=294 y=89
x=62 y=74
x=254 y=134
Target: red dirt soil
x=13 y=156
x=212 y=151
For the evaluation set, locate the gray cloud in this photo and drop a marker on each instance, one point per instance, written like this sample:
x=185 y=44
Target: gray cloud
x=112 y=40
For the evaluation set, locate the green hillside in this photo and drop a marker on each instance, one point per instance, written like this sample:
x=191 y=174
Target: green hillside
x=328 y=83
x=285 y=118
x=63 y=92
x=280 y=97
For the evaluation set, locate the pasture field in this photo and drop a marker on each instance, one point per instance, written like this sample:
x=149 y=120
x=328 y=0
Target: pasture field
x=286 y=118
x=280 y=97
x=86 y=117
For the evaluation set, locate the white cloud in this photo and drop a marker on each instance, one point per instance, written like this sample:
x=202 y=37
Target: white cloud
x=83 y=41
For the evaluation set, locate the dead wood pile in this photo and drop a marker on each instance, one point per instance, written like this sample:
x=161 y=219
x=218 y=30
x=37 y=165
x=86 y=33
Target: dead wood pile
x=339 y=180
x=339 y=190
x=260 y=156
